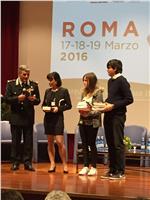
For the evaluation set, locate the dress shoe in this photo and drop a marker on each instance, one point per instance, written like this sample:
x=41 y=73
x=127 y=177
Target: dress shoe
x=15 y=167
x=29 y=167
x=52 y=170
x=65 y=171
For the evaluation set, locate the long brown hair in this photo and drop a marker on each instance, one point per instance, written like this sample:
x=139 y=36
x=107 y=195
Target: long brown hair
x=92 y=83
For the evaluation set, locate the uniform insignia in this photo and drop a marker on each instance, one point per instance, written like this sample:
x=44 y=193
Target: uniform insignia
x=34 y=82
x=8 y=81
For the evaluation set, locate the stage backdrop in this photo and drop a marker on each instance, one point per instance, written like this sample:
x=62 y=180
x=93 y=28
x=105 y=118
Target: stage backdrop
x=111 y=32
x=86 y=34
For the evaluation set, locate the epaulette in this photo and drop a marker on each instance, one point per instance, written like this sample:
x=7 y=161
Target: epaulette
x=34 y=82
x=8 y=81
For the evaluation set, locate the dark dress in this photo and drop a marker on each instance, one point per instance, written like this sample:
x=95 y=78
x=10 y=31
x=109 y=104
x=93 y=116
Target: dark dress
x=54 y=122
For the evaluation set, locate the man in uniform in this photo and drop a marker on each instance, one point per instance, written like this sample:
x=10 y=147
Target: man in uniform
x=22 y=94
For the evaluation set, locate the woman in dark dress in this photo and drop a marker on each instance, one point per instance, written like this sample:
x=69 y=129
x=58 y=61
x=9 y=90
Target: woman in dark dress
x=56 y=101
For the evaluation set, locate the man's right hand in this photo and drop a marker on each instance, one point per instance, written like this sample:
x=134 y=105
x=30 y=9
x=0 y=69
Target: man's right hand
x=21 y=97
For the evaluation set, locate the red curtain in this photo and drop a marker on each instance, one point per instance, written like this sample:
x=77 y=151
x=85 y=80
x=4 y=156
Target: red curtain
x=9 y=41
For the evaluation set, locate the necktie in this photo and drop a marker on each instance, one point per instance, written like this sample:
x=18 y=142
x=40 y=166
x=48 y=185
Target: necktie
x=24 y=85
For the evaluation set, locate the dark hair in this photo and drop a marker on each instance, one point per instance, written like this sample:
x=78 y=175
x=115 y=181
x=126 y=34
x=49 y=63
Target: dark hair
x=115 y=64
x=56 y=77
x=11 y=195
x=92 y=81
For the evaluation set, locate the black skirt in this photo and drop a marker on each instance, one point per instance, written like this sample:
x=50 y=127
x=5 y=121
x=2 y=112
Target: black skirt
x=54 y=123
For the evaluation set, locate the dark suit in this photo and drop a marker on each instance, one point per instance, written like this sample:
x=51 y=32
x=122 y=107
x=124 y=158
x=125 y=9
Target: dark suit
x=22 y=118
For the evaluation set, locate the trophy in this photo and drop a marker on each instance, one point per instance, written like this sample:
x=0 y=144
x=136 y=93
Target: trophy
x=28 y=91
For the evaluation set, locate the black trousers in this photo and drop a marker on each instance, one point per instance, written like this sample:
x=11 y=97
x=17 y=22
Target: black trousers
x=17 y=132
x=114 y=132
x=88 y=136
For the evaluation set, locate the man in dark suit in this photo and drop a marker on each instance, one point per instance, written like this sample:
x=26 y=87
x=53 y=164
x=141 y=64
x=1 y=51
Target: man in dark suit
x=22 y=94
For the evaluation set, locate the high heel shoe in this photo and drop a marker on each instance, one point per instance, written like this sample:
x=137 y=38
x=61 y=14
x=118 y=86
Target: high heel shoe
x=65 y=171
x=52 y=170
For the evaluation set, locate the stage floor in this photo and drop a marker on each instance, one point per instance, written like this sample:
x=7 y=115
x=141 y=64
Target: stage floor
x=135 y=186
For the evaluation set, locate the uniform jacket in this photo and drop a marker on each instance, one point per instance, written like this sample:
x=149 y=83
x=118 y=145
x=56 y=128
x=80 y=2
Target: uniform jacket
x=22 y=113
